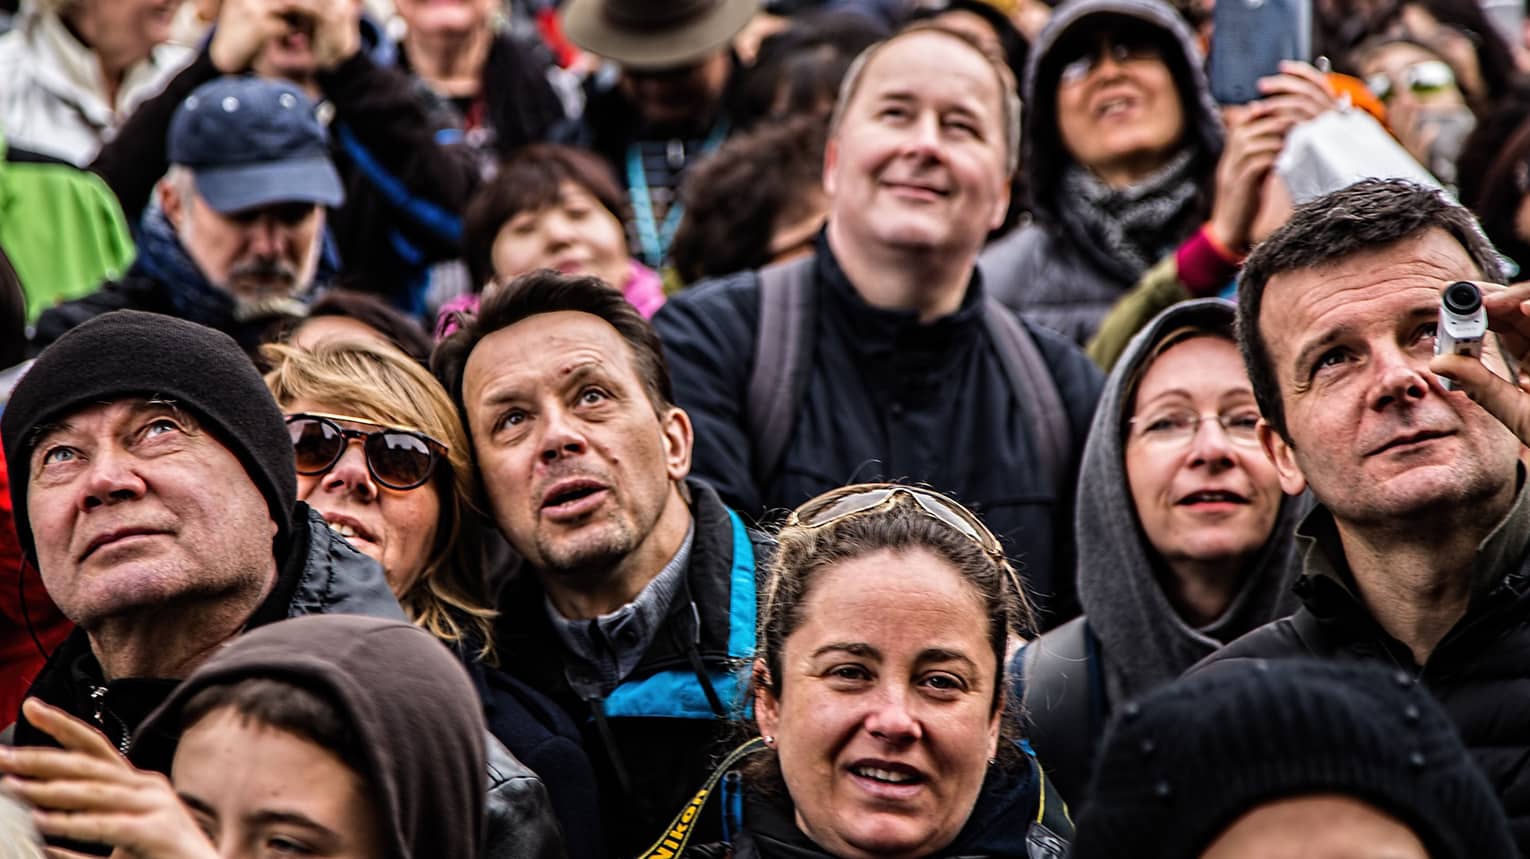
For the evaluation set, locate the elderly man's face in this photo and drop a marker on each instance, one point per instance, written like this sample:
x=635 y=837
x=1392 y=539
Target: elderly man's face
x=134 y=507
x=918 y=159
x=1372 y=431
x=260 y=254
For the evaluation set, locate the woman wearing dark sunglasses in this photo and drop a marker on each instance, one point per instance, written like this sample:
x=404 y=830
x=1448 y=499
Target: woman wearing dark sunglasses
x=879 y=690
x=381 y=453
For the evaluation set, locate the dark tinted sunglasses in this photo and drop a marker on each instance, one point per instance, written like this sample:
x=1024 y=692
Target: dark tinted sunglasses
x=1085 y=55
x=396 y=458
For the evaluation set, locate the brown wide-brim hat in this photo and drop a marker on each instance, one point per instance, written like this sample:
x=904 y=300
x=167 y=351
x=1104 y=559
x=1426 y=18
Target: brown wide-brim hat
x=655 y=34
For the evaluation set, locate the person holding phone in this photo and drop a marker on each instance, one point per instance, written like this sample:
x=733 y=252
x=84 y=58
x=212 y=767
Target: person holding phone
x=1132 y=173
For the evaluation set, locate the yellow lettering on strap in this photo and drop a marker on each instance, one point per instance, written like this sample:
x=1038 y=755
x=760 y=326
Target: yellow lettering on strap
x=672 y=843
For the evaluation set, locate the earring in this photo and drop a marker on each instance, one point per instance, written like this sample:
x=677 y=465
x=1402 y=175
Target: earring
x=770 y=741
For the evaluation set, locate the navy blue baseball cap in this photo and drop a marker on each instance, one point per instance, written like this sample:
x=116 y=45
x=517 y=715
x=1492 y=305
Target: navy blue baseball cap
x=251 y=142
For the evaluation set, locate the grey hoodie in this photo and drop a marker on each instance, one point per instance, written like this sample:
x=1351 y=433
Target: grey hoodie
x=1144 y=641
x=1043 y=269
x=1141 y=640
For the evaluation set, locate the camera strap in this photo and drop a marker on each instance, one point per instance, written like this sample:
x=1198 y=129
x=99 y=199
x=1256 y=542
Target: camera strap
x=678 y=833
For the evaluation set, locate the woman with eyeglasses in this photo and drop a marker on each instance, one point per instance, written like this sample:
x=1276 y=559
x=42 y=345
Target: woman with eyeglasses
x=382 y=455
x=884 y=725
x=1185 y=538
x=1132 y=178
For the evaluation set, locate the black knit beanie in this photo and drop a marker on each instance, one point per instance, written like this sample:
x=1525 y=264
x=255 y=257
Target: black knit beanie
x=128 y=353
x=1183 y=764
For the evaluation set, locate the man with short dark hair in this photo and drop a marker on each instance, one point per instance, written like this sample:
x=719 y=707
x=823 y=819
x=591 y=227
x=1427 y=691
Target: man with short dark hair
x=637 y=609
x=1418 y=554
x=893 y=363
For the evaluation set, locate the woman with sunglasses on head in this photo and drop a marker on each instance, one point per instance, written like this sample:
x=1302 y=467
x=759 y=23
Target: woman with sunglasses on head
x=1427 y=109
x=1185 y=539
x=382 y=455
x=879 y=690
x=1130 y=174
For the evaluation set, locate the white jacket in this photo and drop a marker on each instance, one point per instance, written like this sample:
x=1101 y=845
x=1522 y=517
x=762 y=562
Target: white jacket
x=52 y=96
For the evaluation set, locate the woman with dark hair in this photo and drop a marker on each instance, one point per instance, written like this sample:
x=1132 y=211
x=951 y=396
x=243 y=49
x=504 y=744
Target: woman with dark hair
x=553 y=207
x=882 y=710
x=1126 y=164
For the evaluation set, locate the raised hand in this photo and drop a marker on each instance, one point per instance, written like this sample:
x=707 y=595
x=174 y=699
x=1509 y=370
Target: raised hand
x=88 y=792
x=1508 y=312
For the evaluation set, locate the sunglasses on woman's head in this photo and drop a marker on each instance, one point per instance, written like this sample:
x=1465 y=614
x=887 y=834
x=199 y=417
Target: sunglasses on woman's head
x=396 y=458
x=959 y=518
x=1422 y=78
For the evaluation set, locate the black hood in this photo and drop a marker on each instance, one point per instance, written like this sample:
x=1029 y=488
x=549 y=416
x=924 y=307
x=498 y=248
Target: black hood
x=1042 y=155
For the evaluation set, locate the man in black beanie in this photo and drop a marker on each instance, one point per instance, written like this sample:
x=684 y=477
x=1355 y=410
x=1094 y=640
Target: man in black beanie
x=154 y=490
x=1286 y=759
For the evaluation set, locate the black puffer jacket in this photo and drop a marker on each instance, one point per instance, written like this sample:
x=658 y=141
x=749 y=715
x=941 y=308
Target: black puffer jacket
x=322 y=574
x=1046 y=269
x=888 y=398
x=1478 y=670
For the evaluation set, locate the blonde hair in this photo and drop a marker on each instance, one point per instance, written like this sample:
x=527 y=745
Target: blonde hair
x=374 y=381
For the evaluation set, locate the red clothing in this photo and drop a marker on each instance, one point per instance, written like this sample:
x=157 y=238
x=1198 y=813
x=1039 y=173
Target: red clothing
x=20 y=659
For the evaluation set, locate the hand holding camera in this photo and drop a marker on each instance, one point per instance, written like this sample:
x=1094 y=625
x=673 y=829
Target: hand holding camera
x=1507 y=309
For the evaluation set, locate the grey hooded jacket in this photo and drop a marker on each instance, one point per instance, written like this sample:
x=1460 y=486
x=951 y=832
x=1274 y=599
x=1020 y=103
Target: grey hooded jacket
x=1139 y=640
x=1044 y=269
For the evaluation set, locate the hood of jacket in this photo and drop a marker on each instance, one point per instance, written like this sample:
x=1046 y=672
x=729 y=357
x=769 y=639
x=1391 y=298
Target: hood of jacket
x=1145 y=641
x=1042 y=154
x=413 y=711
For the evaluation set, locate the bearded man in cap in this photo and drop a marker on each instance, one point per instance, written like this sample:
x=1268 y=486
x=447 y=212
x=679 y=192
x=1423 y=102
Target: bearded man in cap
x=237 y=237
x=670 y=105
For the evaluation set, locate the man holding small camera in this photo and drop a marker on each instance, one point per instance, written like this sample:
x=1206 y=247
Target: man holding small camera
x=1418 y=554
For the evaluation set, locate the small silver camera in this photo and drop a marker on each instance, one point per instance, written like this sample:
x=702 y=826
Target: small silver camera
x=1463 y=323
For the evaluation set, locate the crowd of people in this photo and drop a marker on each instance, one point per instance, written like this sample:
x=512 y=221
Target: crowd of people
x=770 y=430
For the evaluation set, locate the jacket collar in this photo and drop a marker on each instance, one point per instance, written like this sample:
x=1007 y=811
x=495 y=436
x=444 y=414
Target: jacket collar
x=1500 y=560
x=877 y=332
x=698 y=613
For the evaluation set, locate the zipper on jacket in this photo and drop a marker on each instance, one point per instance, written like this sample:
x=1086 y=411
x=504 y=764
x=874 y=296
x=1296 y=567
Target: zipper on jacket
x=98 y=695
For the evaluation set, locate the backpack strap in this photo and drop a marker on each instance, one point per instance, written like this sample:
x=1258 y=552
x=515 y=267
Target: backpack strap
x=1057 y=691
x=1030 y=380
x=782 y=352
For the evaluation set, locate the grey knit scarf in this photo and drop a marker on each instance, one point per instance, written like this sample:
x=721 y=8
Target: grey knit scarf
x=1126 y=230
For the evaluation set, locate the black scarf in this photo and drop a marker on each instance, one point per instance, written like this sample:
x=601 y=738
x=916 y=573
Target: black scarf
x=1126 y=230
